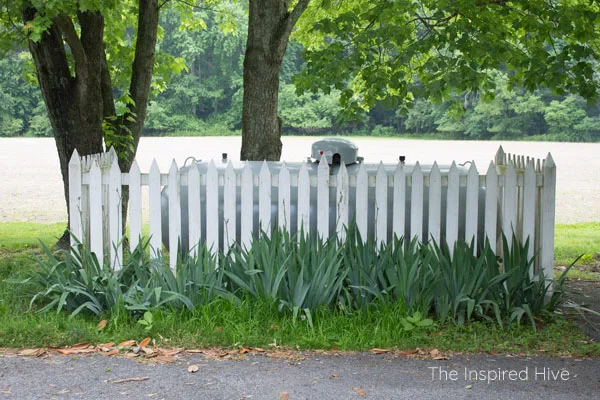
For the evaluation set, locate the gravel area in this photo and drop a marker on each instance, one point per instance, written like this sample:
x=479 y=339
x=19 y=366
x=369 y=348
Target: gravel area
x=32 y=189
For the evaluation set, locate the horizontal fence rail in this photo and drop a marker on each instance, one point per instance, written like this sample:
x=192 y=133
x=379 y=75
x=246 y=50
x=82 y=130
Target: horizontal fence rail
x=224 y=204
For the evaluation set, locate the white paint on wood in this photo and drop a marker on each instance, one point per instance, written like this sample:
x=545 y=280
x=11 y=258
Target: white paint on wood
x=491 y=205
x=323 y=199
x=399 y=213
x=435 y=203
x=509 y=222
x=529 y=190
x=548 y=216
x=96 y=223
x=194 y=208
x=247 y=207
x=381 y=191
x=212 y=208
x=229 y=208
x=416 y=206
x=452 y=203
x=264 y=199
x=303 y=200
x=75 y=207
x=135 y=206
x=155 y=210
x=362 y=204
x=284 y=209
x=115 y=219
x=472 y=206
x=342 y=202
x=174 y=193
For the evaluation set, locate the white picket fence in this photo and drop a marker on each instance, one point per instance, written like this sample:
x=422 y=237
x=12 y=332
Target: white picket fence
x=519 y=197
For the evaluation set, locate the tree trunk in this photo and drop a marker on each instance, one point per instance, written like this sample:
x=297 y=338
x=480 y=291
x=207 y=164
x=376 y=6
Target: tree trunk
x=74 y=103
x=270 y=24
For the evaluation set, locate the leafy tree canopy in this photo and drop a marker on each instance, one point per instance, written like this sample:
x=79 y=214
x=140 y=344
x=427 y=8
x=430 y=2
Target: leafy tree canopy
x=396 y=51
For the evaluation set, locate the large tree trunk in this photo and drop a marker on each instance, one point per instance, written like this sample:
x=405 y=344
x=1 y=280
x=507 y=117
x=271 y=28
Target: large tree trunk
x=270 y=24
x=74 y=103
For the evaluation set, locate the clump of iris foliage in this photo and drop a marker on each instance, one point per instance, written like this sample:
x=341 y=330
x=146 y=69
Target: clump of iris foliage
x=301 y=276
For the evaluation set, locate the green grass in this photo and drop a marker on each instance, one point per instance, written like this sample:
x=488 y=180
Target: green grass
x=574 y=240
x=259 y=324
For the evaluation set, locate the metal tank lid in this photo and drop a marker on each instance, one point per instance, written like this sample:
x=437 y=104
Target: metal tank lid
x=335 y=150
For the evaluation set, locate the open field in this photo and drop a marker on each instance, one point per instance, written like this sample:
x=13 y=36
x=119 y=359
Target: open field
x=32 y=188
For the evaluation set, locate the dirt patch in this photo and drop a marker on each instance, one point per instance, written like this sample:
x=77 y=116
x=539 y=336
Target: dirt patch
x=586 y=294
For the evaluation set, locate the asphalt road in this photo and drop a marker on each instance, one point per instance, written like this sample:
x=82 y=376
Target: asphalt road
x=317 y=376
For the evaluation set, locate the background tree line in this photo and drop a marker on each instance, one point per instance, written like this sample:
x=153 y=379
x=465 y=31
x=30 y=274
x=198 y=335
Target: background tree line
x=206 y=97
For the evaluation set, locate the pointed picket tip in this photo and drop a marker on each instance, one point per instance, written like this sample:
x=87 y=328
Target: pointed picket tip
x=264 y=169
x=453 y=167
x=75 y=159
x=343 y=170
x=154 y=165
x=323 y=163
x=303 y=168
x=500 y=155
x=230 y=167
x=549 y=161
x=473 y=169
x=174 y=167
x=491 y=169
x=435 y=167
x=212 y=164
x=114 y=165
x=135 y=168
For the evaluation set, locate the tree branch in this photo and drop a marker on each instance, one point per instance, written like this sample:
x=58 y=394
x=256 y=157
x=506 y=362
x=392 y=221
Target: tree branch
x=67 y=29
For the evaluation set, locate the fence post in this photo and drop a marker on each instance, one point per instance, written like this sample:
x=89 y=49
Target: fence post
x=75 y=208
x=472 y=206
x=284 y=209
x=323 y=199
x=135 y=206
x=212 y=208
x=548 y=216
x=491 y=205
x=342 y=202
x=96 y=223
x=381 y=192
x=194 y=210
x=264 y=199
x=509 y=213
x=362 y=205
x=435 y=203
x=416 y=207
x=399 y=212
x=229 y=208
x=155 y=211
x=174 y=214
x=247 y=207
x=529 y=188
x=115 y=216
x=452 y=207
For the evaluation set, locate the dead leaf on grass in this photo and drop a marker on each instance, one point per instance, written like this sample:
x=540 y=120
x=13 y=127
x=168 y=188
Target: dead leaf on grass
x=434 y=352
x=113 y=352
x=170 y=352
x=102 y=325
x=193 y=368
x=128 y=343
x=194 y=351
x=32 y=352
x=137 y=379
x=79 y=350
x=145 y=342
x=359 y=391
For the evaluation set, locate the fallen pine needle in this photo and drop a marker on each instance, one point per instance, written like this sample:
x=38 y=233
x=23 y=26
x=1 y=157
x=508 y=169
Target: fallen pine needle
x=142 y=378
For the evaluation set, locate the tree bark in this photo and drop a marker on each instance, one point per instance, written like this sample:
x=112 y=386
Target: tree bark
x=73 y=102
x=270 y=24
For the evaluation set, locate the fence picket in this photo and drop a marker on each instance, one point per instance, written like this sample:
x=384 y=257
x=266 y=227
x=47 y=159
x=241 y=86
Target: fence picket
x=155 y=211
x=491 y=205
x=362 y=201
x=416 y=206
x=135 y=206
x=194 y=209
x=529 y=189
x=323 y=199
x=509 y=221
x=548 y=216
x=212 y=207
x=75 y=208
x=264 y=199
x=435 y=203
x=247 y=222
x=472 y=206
x=174 y=192
x=96 y=222
x=342 y=202
x=284 y=209
x=381 y=192
x=399 y=211
x=115 y=216
x=229 y=208
x=452 y=207
x=303 y=200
